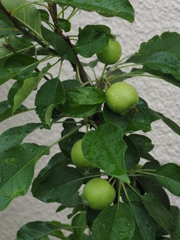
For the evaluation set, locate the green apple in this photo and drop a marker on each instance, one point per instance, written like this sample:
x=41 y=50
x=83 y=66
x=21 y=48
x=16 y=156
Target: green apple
x=121 y=97
x=111 y=53
x=77 y=156
x=99 y=193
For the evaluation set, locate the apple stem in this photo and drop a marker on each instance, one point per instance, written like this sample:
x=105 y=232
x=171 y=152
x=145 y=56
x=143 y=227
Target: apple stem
x=119 y=191
x=86 y=121
x=114 y=182
x=126 y=193
x=104 y=69
x=109 y=181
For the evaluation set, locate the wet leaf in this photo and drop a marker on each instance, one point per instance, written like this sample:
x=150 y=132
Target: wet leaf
x=79 y=225
x=131 y=156
x=49 y=95
x=157 y=211
x=6 y=112
x=14 y=136
x=114 y=222
x=21 y=90
x=169 y=176
x=56 y=161
x=17 y=170
x=140 y=119
x=58 y=185
x=167 y=42
x=36 y=230
x=105 y=149
x=82 y=101
x=117 y=119
x=144 y=223
x=92 y=39
x=170 y=123
x=121 y=8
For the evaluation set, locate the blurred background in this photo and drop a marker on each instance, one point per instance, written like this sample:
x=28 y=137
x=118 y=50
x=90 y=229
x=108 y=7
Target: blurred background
x=151 y=18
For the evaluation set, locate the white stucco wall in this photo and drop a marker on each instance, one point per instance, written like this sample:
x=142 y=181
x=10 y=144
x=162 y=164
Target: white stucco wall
x=152 y=17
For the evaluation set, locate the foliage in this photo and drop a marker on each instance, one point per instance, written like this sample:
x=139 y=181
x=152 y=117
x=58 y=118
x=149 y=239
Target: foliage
x=33 y=33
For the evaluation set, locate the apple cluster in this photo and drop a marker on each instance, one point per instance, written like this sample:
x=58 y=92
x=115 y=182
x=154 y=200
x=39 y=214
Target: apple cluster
x=120 y=98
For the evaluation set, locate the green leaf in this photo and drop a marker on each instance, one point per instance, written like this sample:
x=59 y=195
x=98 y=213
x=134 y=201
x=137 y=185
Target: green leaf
x=64 y=24
x=144 y=222
x=76 y=209
x=59 y=234
x=121 y=8
x=91 y=215
x=105 y=149
x=22 y=89
x=155 y=189
x=44 y=15
x=19 y=44
x=175 y=211
x=17 y=65
x=167 y=42
x=82 y=101
x=170 y=123
x=85 y=237
x=143 y=143
x=70 y=84
x=7 y=26
x=60 y=45
x=167 y=77
x=36 y=230
x=6 y=112
x=4 y=17
x=131 y=156
x=28 y=15
x=145 y=225
x=45 y=238
x=67 y=144
x=161 y=57
x=140 y=119
x=91 y=64
x=14 y=136
x=50 y=94
x=4 y=52
x=56 y=161
x=148 y=157
x=58 y=185
x=92 y=39
x=79 y=225
x=20 y=61
x=177 y=229
x=157 y=211
x=117 y=119
x=114 y=222
x=149 y=179
x=73 y=201
x=17 y=170
x=169 y=176
x=165 y=62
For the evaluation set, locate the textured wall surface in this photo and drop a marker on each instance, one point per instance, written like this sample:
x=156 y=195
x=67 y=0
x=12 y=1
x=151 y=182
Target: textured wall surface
x=152 y=17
